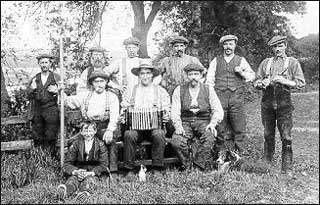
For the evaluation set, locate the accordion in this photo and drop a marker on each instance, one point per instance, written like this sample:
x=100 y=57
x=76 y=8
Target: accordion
x=143 y=118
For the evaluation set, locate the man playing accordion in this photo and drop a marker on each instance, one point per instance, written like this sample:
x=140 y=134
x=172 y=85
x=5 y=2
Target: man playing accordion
x=196 y=110
x=146 y=107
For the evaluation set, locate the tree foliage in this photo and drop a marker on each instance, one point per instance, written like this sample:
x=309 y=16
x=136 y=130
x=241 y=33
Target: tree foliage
x=254 y=22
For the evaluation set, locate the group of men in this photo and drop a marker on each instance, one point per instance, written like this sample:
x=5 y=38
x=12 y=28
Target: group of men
x=206 y=111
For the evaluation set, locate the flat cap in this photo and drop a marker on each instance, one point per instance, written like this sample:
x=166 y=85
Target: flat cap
x=136 y=70
x=179 y=39
x=98 y=49
x=227 y=38
x=131 y=40
x=45 y=55
x=98 y=73
x=193 y=67
x=276 y=39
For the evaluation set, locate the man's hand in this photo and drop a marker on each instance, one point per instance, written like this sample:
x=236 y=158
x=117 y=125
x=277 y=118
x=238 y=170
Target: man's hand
x=239 y=70
x=180 y=131
x=212 y=128
x=53 y=88
x=282 y=80
x=79 y=173
x=258 y=84
x=266 y=82
x=108 y=136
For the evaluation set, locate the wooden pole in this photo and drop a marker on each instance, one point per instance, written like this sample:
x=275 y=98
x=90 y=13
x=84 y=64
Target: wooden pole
x=62 y=104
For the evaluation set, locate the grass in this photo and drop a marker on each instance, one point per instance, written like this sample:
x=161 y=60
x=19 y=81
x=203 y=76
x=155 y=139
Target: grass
x=211 y=187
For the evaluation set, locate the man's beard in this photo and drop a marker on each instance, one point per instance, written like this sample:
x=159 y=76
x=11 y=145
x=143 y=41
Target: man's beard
x=99 y=90
x=227 y=52
x=179 y=53
x=132 y=54
x=193 y=82
x=97 y=63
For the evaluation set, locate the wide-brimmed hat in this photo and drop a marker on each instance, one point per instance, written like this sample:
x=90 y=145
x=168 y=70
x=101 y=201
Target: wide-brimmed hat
x=193 y=67
x=277 y=39
x=179 y=39
x=45 y=55
x=228 y=38
x=131 y=40
x=98 y=73
x=155 y=71
x=97 y=49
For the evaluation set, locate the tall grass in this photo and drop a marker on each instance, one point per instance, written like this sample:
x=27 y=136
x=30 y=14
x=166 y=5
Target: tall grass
x=251 y=186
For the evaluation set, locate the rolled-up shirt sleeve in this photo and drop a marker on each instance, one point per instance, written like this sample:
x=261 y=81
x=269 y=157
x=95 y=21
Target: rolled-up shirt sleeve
x=114 y=111
x=216 y=108
x=297 y=74
x=176 y=108
x=75 y=101
x=211 y=73
x=248 y=74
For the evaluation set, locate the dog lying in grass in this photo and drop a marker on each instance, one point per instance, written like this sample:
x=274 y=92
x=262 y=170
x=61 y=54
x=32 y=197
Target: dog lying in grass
x=230 y=161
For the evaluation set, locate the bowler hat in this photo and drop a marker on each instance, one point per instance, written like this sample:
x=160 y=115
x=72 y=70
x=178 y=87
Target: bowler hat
x=179 y=39
x=98 y=73
x=193 y=67
x=136 y=70
x=276 y=39
x=227 y=38
x=131 y=40
x=45 y=55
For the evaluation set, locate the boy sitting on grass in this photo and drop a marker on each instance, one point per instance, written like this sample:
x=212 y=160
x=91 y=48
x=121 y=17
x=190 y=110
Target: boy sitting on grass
x=85 y=161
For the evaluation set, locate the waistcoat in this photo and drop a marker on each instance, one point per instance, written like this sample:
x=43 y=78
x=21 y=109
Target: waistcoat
x=226 y=77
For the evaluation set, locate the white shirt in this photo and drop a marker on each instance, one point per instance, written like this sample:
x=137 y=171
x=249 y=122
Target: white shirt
x=44 y=78
x=248 y=74
x=96 y=105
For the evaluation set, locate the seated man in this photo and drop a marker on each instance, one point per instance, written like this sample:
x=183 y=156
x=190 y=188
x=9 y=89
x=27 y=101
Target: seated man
x=101 y=106
x=144 y=104
x=85 y=161
x=195 y=112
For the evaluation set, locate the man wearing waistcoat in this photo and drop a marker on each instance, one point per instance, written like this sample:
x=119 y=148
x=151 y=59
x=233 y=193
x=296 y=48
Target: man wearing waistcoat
x=97 y=62
x=100 y=106
x=45 y=113
x=172 y=69
x=228 y=73
x=276 y=77
x=195 y=112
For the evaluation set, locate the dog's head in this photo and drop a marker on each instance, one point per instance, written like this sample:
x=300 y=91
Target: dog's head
x=227 y=159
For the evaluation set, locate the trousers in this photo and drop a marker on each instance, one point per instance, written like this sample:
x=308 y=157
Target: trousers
x=132 y=137
x=197 y=140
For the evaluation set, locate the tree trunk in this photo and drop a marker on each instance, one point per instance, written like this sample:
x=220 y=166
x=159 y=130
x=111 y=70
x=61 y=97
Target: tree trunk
x=142 y=26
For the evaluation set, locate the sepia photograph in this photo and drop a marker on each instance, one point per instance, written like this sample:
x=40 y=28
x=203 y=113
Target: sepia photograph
x=159 y=102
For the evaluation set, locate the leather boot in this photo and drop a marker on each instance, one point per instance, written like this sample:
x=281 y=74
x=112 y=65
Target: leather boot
x=268 y=151
x=286 y=157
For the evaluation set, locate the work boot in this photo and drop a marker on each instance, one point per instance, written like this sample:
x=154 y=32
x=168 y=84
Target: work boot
x=268 y=151
x=286 y=158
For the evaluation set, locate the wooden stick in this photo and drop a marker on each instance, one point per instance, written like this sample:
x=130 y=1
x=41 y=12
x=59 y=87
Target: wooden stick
x=62 y=104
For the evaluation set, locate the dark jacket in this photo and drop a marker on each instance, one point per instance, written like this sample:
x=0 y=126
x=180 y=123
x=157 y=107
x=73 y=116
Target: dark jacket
x=75 y=157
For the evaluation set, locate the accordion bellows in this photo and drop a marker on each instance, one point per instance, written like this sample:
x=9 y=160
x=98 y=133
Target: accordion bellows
x=144 y=118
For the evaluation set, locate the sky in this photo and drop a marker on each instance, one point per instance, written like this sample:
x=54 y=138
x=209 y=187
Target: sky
x=308 y=23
